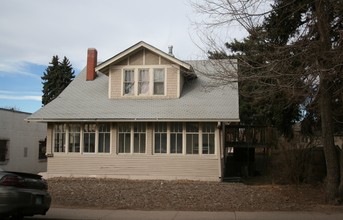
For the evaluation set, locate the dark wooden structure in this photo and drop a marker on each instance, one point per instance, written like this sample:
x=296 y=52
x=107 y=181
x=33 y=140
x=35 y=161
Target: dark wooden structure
x=247 y=150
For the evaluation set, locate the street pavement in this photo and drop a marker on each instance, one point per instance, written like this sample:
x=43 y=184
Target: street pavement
x=90 y=214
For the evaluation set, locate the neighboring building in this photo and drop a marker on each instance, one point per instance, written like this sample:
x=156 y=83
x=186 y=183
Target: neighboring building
x=142 y=114
x=22 y=144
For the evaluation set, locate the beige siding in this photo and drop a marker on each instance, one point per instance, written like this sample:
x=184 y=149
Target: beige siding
x=115 y=83
x=172 y=82
x=137 y=58
x=123 y=62
x=134 y=167
x=151 y=58
x=145 y=59
x=138 y=166
x=165 y=61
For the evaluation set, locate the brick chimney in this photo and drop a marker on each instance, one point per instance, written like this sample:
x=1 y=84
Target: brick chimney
x=91 y=63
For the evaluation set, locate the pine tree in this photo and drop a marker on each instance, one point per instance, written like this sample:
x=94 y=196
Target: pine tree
x=301 y=57
x=56 y=78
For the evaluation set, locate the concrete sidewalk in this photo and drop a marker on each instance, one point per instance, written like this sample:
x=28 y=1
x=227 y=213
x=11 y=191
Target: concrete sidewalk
x=89 y=214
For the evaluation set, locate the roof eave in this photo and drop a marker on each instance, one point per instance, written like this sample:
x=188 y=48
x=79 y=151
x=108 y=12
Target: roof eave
x=137 y=46
x=134 y=120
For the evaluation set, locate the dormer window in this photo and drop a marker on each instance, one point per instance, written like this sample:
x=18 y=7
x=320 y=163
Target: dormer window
x=151 y=81
x=143 y=83
x=158 y=81
x=129 y=82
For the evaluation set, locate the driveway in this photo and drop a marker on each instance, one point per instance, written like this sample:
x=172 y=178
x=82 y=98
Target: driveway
x=89 y=214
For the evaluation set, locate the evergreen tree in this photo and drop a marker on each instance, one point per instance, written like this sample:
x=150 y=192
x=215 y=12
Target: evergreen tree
x=296 y=52
x=56 y=78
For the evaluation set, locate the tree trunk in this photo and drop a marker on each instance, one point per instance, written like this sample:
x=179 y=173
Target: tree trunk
x=325 y=103
x=332 y=166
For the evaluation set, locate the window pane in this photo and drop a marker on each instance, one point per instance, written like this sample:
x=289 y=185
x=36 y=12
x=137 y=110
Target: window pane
x=121 y=143
x=124 y=137
x=139 y=137
x=74 y=138
x=192 y=127
x=129 y=82
x=208 y=135
x=192 y=144
x=59 y=138
x=42 y=150
x=104 y=143
x=192 y=138
x=160 y=134
x=176 y=138
x=139 y=143
x=211 y=144
x=89 y=138
x=104 y=138
x=157 y=143
x=143 y=84
x=159 y=81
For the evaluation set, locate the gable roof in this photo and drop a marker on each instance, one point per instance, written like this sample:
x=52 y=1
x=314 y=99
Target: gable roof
x=137 y=46
x=88 y=101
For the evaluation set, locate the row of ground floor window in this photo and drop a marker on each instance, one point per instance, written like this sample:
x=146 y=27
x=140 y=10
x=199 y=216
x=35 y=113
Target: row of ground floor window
x=135 y=138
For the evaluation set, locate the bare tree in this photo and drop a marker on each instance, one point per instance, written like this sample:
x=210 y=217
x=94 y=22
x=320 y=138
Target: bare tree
x=293 y=47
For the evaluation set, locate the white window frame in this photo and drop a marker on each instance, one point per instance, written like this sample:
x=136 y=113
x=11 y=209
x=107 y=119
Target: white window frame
x=164 y=81
x=140 y=81
x=184 y=133
x=88 y=149
x=160 y=133
x=137 y=81
x=133 y=82
x=193 y=134
x=74 y=148
x=103 y=133
x=176 y=133
x=82 y=133
x=63 y=138
x=207 y=134
x=139 y=129
x=132 y=133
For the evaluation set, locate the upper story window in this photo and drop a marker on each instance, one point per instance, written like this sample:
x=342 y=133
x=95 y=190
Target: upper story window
x=151 y=81
x=143 y=83
x=129 y=82
x=158 y=81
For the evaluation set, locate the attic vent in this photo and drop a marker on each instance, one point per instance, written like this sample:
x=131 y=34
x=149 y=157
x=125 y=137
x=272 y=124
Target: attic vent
x=170 y=48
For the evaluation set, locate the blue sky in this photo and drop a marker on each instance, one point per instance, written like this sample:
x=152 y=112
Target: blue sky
x=32 y=32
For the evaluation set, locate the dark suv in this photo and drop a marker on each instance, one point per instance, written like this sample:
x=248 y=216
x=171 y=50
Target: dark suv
x=23 y=194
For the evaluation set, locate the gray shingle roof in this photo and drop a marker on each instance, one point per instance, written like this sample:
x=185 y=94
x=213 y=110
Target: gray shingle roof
x=88 y=101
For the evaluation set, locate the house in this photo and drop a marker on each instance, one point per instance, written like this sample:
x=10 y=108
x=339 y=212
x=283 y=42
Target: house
x=22 y=144
x=142 y=114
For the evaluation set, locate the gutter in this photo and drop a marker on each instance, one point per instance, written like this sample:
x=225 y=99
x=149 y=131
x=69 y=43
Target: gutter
x=228 y=120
